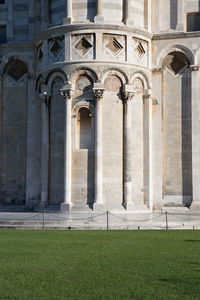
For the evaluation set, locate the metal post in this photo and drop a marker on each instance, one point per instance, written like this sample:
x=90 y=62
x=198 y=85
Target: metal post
x=166 y=217
x=107 y=220
x=43 y=220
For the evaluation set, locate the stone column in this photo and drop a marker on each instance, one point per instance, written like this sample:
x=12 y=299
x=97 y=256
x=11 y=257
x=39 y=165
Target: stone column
x=45 y=97
x=10 y=31
x=128 y=94
x=69 y=17
x=179 y=25
x=99 y=16
x=33 y=184
x=128 y=13
x=195 y=137
x=67 y=92
x=45 y=14
x=148 y=176
x=157 y=170
x=147 y=14
x=98 y=93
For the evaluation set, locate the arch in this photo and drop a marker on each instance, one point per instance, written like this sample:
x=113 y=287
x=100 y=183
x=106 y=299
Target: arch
x=83 y=71
x=39 y=80
x=117 y=72
x=53 y=75
x=175 y=48
x=12 y=57
x=82 y=104
x=197 y=57
x=143 y=77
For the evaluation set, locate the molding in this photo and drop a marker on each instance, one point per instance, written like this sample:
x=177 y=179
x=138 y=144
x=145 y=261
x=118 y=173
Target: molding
x=175 y=35
x=64 y=29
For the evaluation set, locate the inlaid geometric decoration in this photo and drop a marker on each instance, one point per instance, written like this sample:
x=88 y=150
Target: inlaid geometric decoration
x=40 y=55
x=15 y=73
x=113 y=84
x=176 y=62
x=56 y=49
x=140 y=52
x=138 y=86
x=83 y=83
x=82 y=46
x=114 y=46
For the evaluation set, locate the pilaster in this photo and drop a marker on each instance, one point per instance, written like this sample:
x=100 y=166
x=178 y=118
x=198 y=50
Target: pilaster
x=195 y=109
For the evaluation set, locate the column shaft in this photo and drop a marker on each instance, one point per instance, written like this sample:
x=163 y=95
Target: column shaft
x=69 y=16
x=195 y=138
x=45 y=14
x=179 y=25
x=99 y=8
x=98 y=153
x=69 y=8
x=45 y=153
x=148 y=150
x=98 y=94
x=128 y=13
x=67 y=92
x=99 y=15
x=127 y=154
x=68 y=154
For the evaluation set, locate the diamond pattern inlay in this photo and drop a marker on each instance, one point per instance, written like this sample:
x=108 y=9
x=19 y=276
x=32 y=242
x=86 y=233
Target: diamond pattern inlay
x=83 y=46
x=114 y=46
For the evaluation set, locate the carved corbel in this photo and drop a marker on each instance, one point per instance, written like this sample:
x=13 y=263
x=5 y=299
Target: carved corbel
x=128 y=92
x=45 y=94
x=194 y=68
x=98 y=91
x=67 y=91
x=157 y=70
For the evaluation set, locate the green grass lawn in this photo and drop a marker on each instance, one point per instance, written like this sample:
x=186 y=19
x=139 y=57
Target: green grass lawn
x=99 y=264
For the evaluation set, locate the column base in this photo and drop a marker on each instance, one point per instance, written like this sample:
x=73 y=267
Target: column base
x=98 y=207
x=67 y=20
x=99 y=19
x=42 y=205
x=195 y=205
x=179 y=27
x=65 y=206
x=129 y=22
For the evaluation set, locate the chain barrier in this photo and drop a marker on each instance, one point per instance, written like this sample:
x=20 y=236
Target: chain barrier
x=146 y=220
x=74 y=219
x=166 y=223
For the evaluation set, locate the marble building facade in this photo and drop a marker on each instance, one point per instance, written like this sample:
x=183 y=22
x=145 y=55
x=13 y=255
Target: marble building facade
x=99 y=104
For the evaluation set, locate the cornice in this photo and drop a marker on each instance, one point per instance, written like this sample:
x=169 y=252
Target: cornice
x=64 y=29
x=175 y=35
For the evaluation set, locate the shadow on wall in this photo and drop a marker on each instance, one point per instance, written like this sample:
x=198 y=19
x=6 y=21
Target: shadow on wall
x=91 y=8
x=173 y=13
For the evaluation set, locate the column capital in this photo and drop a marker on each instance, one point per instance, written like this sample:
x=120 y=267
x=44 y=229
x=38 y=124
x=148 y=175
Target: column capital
x=67 y=91
x=98 y=91
x=157 y=70
x=147 y=94
x=45 y=94
x=128 y=92
x=194 y=68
